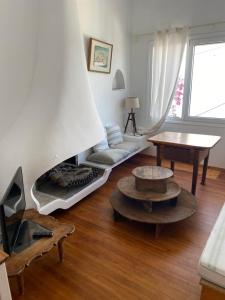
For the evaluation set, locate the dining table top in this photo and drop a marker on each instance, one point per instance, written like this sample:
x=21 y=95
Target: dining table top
x=181 y=139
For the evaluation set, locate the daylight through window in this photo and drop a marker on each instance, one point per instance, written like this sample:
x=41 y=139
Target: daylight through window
x=205 y=93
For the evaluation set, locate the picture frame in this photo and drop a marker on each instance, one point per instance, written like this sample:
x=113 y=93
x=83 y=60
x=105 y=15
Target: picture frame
x=100 y=56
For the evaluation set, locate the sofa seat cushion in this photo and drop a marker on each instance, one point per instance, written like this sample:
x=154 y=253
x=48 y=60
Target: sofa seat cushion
x=128 y=146
x=212 y=261
x=108 y=157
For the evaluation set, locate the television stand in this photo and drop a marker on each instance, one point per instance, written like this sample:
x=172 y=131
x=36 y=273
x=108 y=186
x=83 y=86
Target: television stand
x=17 y=262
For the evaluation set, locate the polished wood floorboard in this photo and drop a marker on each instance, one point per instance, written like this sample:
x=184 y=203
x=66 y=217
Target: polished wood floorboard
x=122 y=260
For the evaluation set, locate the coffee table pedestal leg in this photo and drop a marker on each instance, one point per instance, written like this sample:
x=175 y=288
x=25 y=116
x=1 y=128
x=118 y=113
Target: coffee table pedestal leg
x=158 y=229
x=173 y=202
x=148 y=206
x=117 y=216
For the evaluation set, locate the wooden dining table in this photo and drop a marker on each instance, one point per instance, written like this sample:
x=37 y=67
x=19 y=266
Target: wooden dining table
x=187 y=148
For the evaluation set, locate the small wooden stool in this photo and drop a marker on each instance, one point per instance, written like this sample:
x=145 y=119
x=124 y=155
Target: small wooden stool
x=17 y=262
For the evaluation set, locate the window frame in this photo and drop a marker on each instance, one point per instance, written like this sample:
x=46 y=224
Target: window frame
x=201 y=39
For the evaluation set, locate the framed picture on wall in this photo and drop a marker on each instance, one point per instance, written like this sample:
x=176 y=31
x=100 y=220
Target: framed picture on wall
x=100 y=56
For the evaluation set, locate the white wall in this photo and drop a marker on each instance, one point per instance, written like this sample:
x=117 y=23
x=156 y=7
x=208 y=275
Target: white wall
x=108 y=20
x=151 y=15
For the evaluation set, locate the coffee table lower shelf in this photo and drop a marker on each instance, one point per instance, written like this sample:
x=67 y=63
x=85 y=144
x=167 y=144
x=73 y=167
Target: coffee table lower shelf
x=161 y=214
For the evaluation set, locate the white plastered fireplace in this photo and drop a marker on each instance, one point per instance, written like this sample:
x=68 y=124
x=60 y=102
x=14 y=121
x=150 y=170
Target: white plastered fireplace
x=47 y=111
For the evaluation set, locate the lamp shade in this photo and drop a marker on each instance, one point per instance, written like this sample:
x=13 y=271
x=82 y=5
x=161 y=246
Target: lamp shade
x=132 y=102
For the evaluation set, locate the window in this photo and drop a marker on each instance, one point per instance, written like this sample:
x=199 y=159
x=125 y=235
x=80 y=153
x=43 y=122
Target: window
x=200 y=90
x=177 y=104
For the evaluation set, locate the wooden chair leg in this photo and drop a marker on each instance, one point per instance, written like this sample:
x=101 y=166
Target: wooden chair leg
x=20 y=282
x=60 y=250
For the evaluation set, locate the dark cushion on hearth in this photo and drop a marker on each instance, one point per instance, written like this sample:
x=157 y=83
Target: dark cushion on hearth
x=66 y=174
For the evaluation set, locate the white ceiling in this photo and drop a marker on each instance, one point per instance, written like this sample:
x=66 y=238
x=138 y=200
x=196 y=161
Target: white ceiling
x=150 y=15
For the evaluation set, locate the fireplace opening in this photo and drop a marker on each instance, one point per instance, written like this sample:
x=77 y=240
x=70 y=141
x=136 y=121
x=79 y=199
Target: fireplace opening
x=66 y=184
x=66 y=179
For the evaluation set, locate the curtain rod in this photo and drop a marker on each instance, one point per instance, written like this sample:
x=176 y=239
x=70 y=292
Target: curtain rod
x=191 y=27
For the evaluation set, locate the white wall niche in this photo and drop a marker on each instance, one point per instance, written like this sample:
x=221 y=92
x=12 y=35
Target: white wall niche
x=118 y=81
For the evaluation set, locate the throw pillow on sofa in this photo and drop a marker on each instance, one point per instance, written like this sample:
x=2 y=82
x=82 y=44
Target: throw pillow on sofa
x=114 y=135
x=108 y=157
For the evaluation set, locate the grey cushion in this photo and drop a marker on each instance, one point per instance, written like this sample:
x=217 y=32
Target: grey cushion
x=128 y=146
x=108 y=157
x=114 y=135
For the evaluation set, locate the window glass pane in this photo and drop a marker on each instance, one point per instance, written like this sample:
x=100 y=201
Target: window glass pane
x=208 y=92
x=177 y=103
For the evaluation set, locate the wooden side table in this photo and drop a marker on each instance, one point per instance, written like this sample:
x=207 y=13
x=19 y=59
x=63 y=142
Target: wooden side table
x=187 y=148
x=17 y=262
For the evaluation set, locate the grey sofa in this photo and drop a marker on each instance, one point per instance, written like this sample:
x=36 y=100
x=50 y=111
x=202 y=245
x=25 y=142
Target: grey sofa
x=118 y=153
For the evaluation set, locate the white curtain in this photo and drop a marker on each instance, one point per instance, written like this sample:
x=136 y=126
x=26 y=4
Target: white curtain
x=167 y=56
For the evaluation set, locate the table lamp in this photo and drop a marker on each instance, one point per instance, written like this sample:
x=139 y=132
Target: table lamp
x=131 y=103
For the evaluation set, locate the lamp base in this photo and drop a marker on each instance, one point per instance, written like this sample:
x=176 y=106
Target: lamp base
x=131 y=117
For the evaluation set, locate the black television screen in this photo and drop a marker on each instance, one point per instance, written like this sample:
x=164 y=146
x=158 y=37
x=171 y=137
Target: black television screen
x=17 y=233
x=12 y=208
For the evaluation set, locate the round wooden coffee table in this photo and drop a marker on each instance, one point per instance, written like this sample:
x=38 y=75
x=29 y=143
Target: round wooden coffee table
x=151 y=178
x=162 y=213
x=127 y=186
x=150 y=196
x=152 y=173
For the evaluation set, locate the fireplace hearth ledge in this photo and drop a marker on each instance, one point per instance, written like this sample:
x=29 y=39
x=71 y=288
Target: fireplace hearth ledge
x=47 y=203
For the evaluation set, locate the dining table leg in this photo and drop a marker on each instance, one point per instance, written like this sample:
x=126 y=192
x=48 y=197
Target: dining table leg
x=172 y=165
x=158 y=156
x=195 y=171
x=205 y=167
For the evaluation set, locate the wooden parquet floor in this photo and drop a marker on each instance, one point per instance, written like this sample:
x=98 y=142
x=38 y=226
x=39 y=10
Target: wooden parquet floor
x=121 y=260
